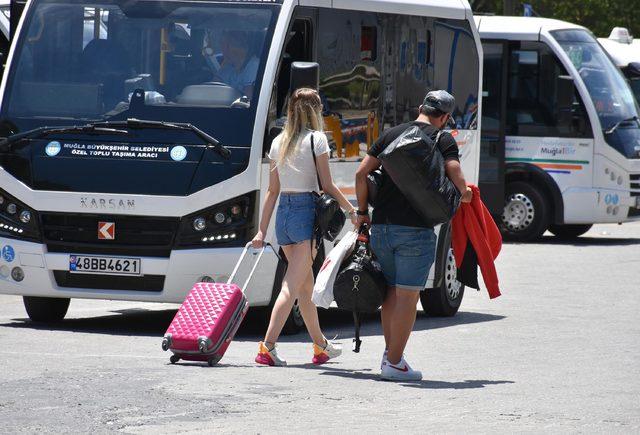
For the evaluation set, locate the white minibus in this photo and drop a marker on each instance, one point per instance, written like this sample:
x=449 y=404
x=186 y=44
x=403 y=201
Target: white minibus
x=154 y=175
x=560 y=130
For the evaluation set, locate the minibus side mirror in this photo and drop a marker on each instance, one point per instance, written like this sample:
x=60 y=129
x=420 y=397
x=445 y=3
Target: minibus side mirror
x=304 y=75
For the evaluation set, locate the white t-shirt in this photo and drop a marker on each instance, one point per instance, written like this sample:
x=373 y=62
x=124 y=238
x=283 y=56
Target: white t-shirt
x=298 y=172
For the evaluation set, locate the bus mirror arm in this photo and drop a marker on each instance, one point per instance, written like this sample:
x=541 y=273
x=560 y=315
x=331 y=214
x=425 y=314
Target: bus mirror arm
x=565 y=91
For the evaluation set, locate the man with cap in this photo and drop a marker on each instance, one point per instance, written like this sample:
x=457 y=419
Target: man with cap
x=403 y=243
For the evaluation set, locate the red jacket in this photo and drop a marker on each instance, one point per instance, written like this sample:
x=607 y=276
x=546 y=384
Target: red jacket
x=473 y=222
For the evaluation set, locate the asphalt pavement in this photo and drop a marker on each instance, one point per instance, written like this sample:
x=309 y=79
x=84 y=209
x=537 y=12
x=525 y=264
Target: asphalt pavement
x=558 y=352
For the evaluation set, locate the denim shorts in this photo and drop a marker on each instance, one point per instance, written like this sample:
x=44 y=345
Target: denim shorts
x=404 y=253
x=295 y=217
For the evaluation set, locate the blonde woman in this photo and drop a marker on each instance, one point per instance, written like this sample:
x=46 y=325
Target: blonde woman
x=293 y=178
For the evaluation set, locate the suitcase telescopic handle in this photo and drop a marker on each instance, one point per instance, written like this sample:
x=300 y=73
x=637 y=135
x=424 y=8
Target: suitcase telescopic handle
x=255 y=264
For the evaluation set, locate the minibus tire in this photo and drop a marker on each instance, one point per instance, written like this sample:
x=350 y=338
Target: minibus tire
x=533 y=198
x=46 y=310
x=444 y=300
x=569 y=232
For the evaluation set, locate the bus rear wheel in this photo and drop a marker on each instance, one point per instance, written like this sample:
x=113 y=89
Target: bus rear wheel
x=444 y=300
x=569 y=232
x=46 y=310
x=525 y=216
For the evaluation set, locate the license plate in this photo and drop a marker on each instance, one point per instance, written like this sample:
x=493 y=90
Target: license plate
x=104 y=265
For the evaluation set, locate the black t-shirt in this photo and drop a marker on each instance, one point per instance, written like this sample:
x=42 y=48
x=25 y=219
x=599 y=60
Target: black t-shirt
x=394 y=208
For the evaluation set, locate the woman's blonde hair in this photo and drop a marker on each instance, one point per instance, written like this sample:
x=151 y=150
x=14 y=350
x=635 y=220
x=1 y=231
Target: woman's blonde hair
x=304 y=111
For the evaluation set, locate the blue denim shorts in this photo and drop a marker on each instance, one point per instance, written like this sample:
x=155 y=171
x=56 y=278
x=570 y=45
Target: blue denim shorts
x=404 y=253
x=295 y=218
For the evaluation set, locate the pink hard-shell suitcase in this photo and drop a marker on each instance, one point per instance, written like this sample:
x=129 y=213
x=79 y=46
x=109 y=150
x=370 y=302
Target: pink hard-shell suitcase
x=208 y=319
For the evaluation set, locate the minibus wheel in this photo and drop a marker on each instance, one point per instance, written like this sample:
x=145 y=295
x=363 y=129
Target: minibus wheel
x=525 y=216
x=444 y=300
x=569 y=232
x=46 y=309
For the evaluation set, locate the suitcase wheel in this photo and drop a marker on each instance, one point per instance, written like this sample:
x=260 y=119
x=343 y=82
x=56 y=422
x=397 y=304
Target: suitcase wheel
x=166 y=343
x=213 y=361
x=174 y=359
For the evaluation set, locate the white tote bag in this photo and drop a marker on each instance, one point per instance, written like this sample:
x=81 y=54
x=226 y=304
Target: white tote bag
x=323 y=289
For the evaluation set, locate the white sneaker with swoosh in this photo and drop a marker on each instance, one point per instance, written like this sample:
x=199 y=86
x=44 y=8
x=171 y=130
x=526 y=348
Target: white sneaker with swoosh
x=400 y=372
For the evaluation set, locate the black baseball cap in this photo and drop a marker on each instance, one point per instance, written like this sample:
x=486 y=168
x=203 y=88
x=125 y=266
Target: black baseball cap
x=440 y=100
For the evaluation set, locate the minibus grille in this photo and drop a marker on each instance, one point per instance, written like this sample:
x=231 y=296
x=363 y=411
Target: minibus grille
x=635 y=183
x=146 y=283
x=134 y=235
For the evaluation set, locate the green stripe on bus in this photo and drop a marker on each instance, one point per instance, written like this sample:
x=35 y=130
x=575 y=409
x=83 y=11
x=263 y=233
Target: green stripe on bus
x=515 y=159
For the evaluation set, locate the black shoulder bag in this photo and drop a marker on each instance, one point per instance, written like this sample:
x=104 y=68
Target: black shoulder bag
x=329 y=217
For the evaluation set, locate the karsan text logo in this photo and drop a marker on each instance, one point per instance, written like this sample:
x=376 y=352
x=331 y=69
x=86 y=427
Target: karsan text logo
x=107 y=204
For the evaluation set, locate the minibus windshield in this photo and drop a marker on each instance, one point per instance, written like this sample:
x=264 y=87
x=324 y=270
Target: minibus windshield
x=83 y=61
x=608 y=89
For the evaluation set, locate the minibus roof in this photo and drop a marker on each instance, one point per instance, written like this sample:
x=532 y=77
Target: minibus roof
x=621 y=53
x=455 y=9
x=518 y=28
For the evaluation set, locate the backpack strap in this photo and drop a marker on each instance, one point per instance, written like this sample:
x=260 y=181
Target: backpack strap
x=356 y=341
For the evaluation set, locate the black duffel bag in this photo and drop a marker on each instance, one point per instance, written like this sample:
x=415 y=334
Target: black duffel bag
x=416 y=166
x=360 y=286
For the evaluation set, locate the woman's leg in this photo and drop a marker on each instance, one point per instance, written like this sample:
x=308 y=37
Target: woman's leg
x=297 y=271
x=401 y=323
x=309 y=310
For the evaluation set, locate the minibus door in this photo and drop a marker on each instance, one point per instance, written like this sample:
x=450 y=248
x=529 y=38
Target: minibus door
x=492 y=143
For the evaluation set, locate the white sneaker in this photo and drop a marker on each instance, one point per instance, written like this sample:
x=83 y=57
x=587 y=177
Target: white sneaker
x=322 y=355
x=401 y=372
x=384 y=358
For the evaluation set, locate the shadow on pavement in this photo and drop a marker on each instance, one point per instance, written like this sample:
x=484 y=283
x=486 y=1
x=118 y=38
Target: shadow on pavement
x=584 y=241
x=367 y=375
x=153 y=323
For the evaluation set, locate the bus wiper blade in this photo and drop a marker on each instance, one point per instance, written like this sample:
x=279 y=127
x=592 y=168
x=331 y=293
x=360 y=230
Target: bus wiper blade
x=624 y=121
x=5 y=144
x=134 y=123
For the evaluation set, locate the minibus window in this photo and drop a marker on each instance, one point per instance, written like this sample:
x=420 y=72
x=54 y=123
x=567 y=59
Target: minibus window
x=535 y=98
x=610 y=92
x=208 y=56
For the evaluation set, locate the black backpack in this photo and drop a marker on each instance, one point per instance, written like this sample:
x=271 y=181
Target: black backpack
x=360 y=286
x=416 y=166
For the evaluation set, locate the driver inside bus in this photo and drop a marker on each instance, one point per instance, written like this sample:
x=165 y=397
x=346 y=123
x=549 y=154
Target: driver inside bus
x=236 y=66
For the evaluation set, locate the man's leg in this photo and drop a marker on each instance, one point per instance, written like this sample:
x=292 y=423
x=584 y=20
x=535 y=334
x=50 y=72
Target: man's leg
x=401 y=322
x=386 y=314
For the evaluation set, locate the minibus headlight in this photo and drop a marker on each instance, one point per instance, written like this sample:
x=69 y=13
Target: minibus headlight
x=230 y=223
x=25 y=216
x=17 y=220
x=199 y=223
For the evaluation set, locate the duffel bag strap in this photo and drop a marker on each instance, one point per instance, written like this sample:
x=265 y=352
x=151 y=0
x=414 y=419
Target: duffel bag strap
x=356 y=341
